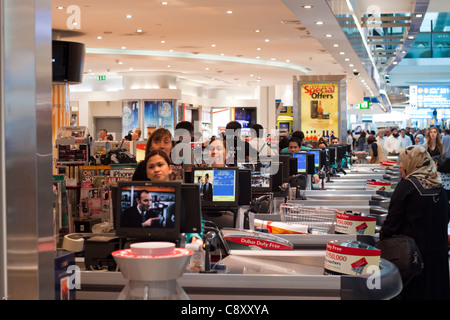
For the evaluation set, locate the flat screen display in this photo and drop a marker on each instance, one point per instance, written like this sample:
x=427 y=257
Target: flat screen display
x=316 y=153
x=148 y=210
x=218 y=186
x=302 y=161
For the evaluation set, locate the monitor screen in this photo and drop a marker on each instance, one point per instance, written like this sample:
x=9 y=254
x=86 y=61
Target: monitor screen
x=148 y=210
x=218 y=186
x=316 y=153
x=245 y=183
x=332 y=154
x=302 y=161
x=284 y=159
x=191 y=208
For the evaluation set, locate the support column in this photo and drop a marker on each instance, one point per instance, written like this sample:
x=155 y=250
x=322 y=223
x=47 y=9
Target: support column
x=27 y=246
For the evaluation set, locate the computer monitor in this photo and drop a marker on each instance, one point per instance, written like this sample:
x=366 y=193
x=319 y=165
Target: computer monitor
x=317 y=158
x=302 y=162
x=340 y=153
x=245 y=183
x=149 y=211
x=218 y=186
x=191 y=208
x=332 y=154
x=292 y=166
x=284 y=159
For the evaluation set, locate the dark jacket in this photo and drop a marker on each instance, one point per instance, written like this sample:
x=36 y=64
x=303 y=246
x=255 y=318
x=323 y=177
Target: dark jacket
x=422 y=215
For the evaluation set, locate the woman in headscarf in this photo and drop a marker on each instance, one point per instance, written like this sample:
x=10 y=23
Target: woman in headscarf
x=377 y=154
x=419 y=209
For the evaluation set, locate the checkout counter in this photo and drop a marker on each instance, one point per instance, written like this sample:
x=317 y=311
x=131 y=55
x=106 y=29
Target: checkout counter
x=250 y=272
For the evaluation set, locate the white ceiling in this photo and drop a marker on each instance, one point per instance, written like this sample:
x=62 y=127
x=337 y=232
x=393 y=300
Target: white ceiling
x=198 y=41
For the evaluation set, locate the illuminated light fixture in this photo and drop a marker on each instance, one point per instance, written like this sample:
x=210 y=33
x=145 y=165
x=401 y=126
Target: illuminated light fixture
x=395 y=62
x=129 y=16
x=171 y=50
x=123 y=48
x=206 y=68
x=307 y=6
x=213 y=45
x=229 y=11
x=419 y=15
x=329 y=35
x=411 y=37
x=258 y=49
x=163 y=41
x=267 y=40
x=169 y=66
x=222 y=54
x=139 y=30
x=258 y=57
x=347 y=59
x=354 y=70
x=131 y=69
x=60 y=8
x=99 y=38
x=336 y=45
x=319 y=22
x=273 y=59
x=252 y=75
x=403 y=51
x=342 y=52
x=351 y=65
x=287 y=60
x=257 y=30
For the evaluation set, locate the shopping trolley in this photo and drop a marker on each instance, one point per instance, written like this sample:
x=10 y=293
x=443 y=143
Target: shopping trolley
x=318 y=219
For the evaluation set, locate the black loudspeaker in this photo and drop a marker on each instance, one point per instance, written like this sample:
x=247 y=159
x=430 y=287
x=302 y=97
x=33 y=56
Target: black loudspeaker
x=67 y=61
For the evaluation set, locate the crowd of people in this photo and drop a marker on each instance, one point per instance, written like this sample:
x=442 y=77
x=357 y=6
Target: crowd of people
x=419 y=205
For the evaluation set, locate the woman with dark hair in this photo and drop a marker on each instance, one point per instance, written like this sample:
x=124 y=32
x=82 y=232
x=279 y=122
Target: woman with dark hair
x=419 y=209
x=160 y=139
x=377 y=154
x=158 y=166
x=361 y=143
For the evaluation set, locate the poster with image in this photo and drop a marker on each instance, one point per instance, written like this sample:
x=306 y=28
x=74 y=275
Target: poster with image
x=130 y=117
x=159 y=114
x=319 y=105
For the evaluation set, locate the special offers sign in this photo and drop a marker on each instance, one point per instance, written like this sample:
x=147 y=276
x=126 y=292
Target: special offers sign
x=319 y=108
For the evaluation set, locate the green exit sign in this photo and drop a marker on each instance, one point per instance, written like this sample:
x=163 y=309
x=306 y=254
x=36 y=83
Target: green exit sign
x=364 y=105
x=101 y=78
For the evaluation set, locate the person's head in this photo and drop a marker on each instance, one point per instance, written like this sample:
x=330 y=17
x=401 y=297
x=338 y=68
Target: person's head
x=402 y=133
x=322 y=145
x=184 y=131
x=349 y=132
x=335 y=140
x=160 y=139
x=371 y=139
x=158 y=166
x=102 y=134
x=394 y=132
x=299 y=135
x=109 y=137
x=417 y=139
x=416 y=161
x=217 y=152
x=294 y=145
x=433 y=134
x=374 y=150
x=257 y=131
x=143 y=200
x=136 y=133
x=206 y=177
x=95 y=193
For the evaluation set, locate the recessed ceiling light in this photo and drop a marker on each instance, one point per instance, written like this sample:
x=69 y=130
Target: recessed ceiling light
x=328 y=35
x=257 y=30
x=267 y=40
x=59 y=8
x=129 y=16
x=222 y=54
x=411 y=37
x=163 y=41
x=287 y=60
x=354 y=70
x=252 y=75
x=99 y=37
x=164 y=3
x=351 y=65
x=307 y=6
x=171 y=50
x=342 y=52
x=419 y=15
x=257 y=57
x=131 y=69
x=273 y=59
x=120 y=62
x=335 y=45
x=169 y=66
x=206 y=68
x=347 y=59
x=403 y=51
x=124 y=48
x=258 y=49
x=319 y=22
x=213 y=45
x=139 y=30
x=229 y=11
x=395 y=62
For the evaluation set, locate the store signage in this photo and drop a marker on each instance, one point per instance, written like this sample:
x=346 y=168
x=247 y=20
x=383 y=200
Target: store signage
x=429 y=97
x=365 y=105
x=319 y=107
x=101 y=78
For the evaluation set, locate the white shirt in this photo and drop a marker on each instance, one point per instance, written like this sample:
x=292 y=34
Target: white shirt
x=391 y=144
x=405 y=141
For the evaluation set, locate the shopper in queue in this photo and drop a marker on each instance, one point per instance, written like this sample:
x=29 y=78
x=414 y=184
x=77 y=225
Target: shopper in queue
x=419 y=209
x=392 y=143
x=160 y=139
x=433 y=143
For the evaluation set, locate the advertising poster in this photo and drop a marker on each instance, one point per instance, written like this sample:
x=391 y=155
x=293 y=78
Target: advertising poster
x=159 y=114
x=130 y=117
x=319 y=108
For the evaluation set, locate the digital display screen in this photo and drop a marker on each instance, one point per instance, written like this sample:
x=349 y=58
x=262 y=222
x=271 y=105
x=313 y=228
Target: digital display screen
x=260 y=174
x=217 y=185
x=148 y=210
x=316 y=157
x=301 y=162
x=429 y=97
